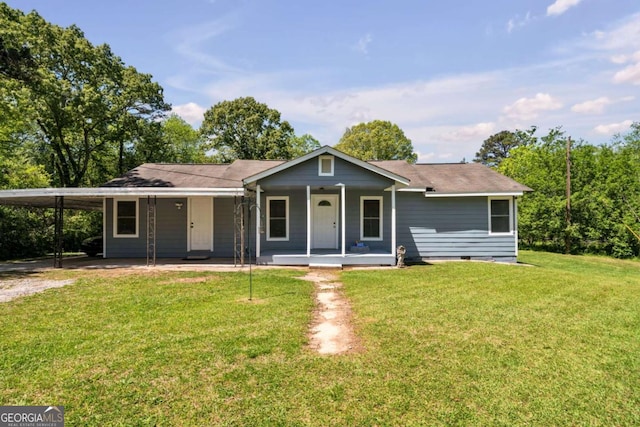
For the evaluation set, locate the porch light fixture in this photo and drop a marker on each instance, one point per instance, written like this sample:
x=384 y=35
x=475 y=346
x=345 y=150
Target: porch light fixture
x=179 y=205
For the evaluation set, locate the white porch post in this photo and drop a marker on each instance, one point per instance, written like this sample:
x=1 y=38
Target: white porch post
x=308 y=221
x=258 y=215
x=343 y=216
x=393 y=219
x=515 y=222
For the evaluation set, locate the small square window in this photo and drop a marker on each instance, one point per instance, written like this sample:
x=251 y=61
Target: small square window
x=325 y=165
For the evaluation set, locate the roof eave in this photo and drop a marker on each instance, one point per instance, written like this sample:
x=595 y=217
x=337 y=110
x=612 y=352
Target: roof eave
x=434 y=194
x=120 y=191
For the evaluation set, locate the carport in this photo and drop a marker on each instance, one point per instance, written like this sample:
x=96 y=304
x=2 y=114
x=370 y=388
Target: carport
x=60 y=199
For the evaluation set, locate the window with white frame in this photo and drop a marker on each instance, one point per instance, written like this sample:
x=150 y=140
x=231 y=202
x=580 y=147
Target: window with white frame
x=125 y=218
x=500 y=215
x=371 y=218
x=277 y=218
x=325 y=165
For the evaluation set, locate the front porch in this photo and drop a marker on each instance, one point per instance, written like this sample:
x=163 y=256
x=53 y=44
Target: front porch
x=325 y=258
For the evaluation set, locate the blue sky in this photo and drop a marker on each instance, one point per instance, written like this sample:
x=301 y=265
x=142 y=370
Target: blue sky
x=449 y=73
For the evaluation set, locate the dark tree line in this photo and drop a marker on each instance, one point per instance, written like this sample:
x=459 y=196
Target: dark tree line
x=605 y=190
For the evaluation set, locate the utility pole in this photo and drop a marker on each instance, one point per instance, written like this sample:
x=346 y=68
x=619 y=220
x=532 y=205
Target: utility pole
x=567 y=216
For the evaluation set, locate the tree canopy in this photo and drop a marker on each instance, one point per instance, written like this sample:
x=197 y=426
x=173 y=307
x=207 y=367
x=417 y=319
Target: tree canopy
x=605 y=195
x=377 y=140
x=498 y=146
x=82 y=103
x=246 y=129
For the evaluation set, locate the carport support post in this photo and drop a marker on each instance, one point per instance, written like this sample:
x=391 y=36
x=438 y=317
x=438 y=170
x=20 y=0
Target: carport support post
x=58 y=235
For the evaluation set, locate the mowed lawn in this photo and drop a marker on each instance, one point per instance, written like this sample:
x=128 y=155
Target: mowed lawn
x=455 y=343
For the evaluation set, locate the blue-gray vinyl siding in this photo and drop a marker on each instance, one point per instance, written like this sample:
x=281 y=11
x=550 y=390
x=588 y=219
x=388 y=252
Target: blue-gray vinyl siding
x=306 y=173
x=171 y=237
x=449 y=228
x=171 y=230
x=298 y=219
x=427 y=227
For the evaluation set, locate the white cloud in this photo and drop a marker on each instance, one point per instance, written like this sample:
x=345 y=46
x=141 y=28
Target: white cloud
x=594 y=106
x=363 y=44
x=477 y=132
x=625 y=37
x=630 y=74
x=429 y=111
x=619 y=59
x=189 y=43
x=191 y=112
x=517 y=22
x=561 y=6
x=530 y=108
x=613 y=128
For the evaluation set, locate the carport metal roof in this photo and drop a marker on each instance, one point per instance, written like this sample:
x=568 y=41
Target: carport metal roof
x=92 y=198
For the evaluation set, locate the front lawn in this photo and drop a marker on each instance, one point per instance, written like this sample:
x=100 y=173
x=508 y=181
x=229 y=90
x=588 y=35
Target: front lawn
x=450 y=344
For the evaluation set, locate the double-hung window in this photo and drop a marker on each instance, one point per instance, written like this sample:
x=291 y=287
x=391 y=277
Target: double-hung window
x=125 y=218
x=500 y=215
x=277 y=218
x=371 y=218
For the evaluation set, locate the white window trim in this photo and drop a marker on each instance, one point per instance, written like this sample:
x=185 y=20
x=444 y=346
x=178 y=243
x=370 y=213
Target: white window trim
x=362 y=199
x=115 y=218
x=277 y=239
x=320 y=159
x=511 y=221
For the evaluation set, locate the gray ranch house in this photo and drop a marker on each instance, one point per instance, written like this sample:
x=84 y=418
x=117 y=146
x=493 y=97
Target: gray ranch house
x=323 y=208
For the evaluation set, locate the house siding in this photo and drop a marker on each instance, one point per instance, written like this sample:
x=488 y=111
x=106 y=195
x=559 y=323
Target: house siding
x=171 y=237
x=449 y=228
x=223 y=227
x=298 y=219
x=171 y=229
x=306 y=173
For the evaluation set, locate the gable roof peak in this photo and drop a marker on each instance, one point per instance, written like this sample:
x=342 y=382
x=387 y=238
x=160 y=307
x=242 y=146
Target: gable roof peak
x=332 y=151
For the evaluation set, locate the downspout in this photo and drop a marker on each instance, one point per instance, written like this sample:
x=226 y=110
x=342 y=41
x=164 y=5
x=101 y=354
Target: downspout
x=104 y=227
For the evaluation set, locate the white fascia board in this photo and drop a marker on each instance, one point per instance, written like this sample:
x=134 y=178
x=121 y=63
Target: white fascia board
x=121 y=191
x=434 y=194
x=326 y=150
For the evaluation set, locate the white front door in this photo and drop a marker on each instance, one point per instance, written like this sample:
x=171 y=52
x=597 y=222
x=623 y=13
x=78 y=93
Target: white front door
x=324 y=221
x=200 y=224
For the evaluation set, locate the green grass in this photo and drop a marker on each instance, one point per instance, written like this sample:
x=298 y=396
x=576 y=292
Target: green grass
x=449 y=344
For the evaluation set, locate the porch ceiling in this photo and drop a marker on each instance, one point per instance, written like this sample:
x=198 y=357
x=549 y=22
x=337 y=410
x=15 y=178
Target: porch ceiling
x=91 y=198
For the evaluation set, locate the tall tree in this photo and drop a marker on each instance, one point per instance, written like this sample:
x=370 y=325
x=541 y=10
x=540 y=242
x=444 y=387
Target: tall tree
x=82 y=98
x=498 y=146
x=301 y=145
x=184 y=142
x=377 y=140
x=246 y=129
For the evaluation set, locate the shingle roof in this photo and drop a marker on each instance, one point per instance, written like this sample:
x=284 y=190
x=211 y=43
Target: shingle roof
x=453 y=178
x=443 y=178
x=191 y=175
